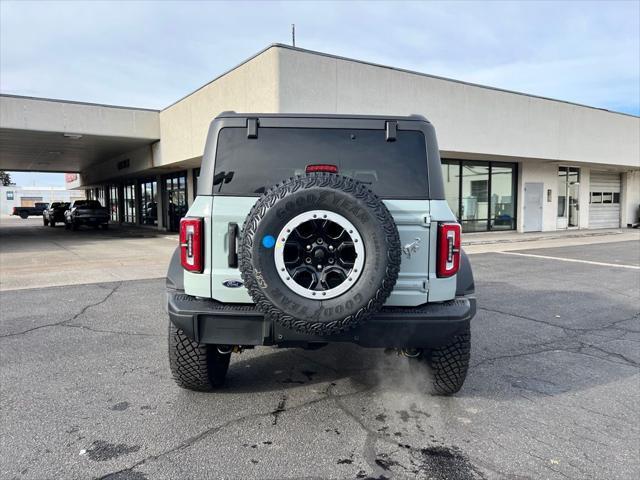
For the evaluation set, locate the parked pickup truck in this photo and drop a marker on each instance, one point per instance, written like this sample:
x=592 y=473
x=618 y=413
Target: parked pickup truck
x=86 y=212
x=55 y=213
x=25 y=212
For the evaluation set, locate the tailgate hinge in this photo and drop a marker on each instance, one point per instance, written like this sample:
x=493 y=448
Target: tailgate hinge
x=426 y=220
x=252 y=128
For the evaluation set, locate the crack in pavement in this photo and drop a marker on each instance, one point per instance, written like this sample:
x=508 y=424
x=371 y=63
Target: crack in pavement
x=119 y=332
x=515 y=355
x=563 y=327
x=624 y=359
x=559 y=348
x=571 y=334
x=63 y=322
x=210 y=431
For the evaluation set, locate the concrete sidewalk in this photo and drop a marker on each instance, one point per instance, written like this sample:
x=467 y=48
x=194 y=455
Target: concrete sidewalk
x=486 y=242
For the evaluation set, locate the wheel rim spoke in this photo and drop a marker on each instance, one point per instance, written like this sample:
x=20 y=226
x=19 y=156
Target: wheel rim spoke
x=319 y=255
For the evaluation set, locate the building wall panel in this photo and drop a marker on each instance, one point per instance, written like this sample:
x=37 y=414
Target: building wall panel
x=468 y=118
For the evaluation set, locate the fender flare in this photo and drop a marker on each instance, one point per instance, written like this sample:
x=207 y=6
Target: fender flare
x=464 y=279
x=175 y=274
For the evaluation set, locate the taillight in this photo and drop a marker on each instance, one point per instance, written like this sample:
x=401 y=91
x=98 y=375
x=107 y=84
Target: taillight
x=448 y=249
x=191 y=244
x=323 y=167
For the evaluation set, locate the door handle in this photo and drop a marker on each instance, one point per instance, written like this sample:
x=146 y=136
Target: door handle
x=232 y=231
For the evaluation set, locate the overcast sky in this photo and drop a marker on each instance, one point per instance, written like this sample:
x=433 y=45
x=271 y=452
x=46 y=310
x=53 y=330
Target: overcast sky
x=149 y=54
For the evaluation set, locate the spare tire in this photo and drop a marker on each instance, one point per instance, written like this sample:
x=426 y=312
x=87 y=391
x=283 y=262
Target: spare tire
x=319 y=253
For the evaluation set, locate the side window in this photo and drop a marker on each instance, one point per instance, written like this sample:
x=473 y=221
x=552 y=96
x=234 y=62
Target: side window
x=616 y=198
x=596 y=197
x=607 y=197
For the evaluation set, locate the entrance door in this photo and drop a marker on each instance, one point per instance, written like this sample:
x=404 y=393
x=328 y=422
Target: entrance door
x=533 y=197
x=175 y=197
x=568 y=198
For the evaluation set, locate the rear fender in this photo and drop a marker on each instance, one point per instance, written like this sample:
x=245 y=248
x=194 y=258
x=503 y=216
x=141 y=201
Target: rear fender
x=464 y=278
x=175 y=276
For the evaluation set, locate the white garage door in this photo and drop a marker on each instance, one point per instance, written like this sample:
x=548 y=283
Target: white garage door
x=604 y=204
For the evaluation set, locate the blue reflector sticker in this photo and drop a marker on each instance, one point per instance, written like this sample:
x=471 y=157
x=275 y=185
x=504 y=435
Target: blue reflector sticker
x=268 y=241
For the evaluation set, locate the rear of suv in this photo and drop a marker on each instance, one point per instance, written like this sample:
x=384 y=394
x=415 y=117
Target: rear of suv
x=86 y=212
x=312 y=229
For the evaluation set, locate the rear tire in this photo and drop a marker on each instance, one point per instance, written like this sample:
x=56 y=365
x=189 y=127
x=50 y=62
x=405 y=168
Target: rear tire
x=105 y=226
x=195 y=366
x=24 y=215
x=450 y=364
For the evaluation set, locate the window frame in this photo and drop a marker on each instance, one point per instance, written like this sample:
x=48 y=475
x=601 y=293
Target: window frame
x=491 y=164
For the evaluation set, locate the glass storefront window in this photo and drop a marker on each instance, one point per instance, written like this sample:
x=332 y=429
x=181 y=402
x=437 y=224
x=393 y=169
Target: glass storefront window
x=113 y=203
x=562 y=192
x=196 y=174
x=102 y=196
x=451 y=176
x=482 y=195
x=502 y=214
x=175 y=195
x=475 y=196
x=149 y=202
x=130 y=203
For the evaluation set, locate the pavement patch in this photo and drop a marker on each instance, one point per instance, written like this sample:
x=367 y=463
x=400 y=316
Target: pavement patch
x=101 y=451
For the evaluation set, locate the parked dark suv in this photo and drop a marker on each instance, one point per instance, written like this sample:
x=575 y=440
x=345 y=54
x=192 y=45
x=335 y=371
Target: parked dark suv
x=86 y=212
x=311 y=229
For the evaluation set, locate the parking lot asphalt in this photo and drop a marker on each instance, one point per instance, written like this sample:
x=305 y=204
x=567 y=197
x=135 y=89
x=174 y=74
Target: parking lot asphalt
x=553 y=390
x=32 y=255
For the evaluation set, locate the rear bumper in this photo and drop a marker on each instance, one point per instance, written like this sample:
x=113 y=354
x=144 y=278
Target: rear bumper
x=426 y=326
x=90 y=220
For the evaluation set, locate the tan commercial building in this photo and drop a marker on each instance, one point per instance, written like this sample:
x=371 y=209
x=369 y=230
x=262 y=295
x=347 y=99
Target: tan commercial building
x=510 y=160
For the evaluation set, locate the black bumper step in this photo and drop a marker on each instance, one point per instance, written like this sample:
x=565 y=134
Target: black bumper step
x=210 y=321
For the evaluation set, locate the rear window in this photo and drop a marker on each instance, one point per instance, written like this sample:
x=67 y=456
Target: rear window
x=248 y=166
x=87 y=204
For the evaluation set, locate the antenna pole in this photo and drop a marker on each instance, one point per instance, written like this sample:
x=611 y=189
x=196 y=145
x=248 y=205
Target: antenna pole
x=293 y=33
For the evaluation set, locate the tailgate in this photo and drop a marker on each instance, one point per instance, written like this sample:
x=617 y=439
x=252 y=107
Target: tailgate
x=412 y=220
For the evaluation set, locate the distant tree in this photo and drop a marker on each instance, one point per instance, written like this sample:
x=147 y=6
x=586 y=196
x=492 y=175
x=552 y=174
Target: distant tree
x=5 y=178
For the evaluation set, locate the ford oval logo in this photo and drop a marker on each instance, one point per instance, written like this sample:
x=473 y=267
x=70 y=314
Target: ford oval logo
x=232 y=283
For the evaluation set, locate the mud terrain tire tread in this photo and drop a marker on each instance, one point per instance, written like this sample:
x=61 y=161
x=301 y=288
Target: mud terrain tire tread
x=195 y=366
x=450 y=363
x=344 y=184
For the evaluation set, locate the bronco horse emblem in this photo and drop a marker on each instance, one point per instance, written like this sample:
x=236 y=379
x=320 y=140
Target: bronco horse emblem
x=412 y=247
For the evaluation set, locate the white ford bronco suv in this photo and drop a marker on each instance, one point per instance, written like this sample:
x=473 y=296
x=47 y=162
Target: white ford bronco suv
x=310 y=229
